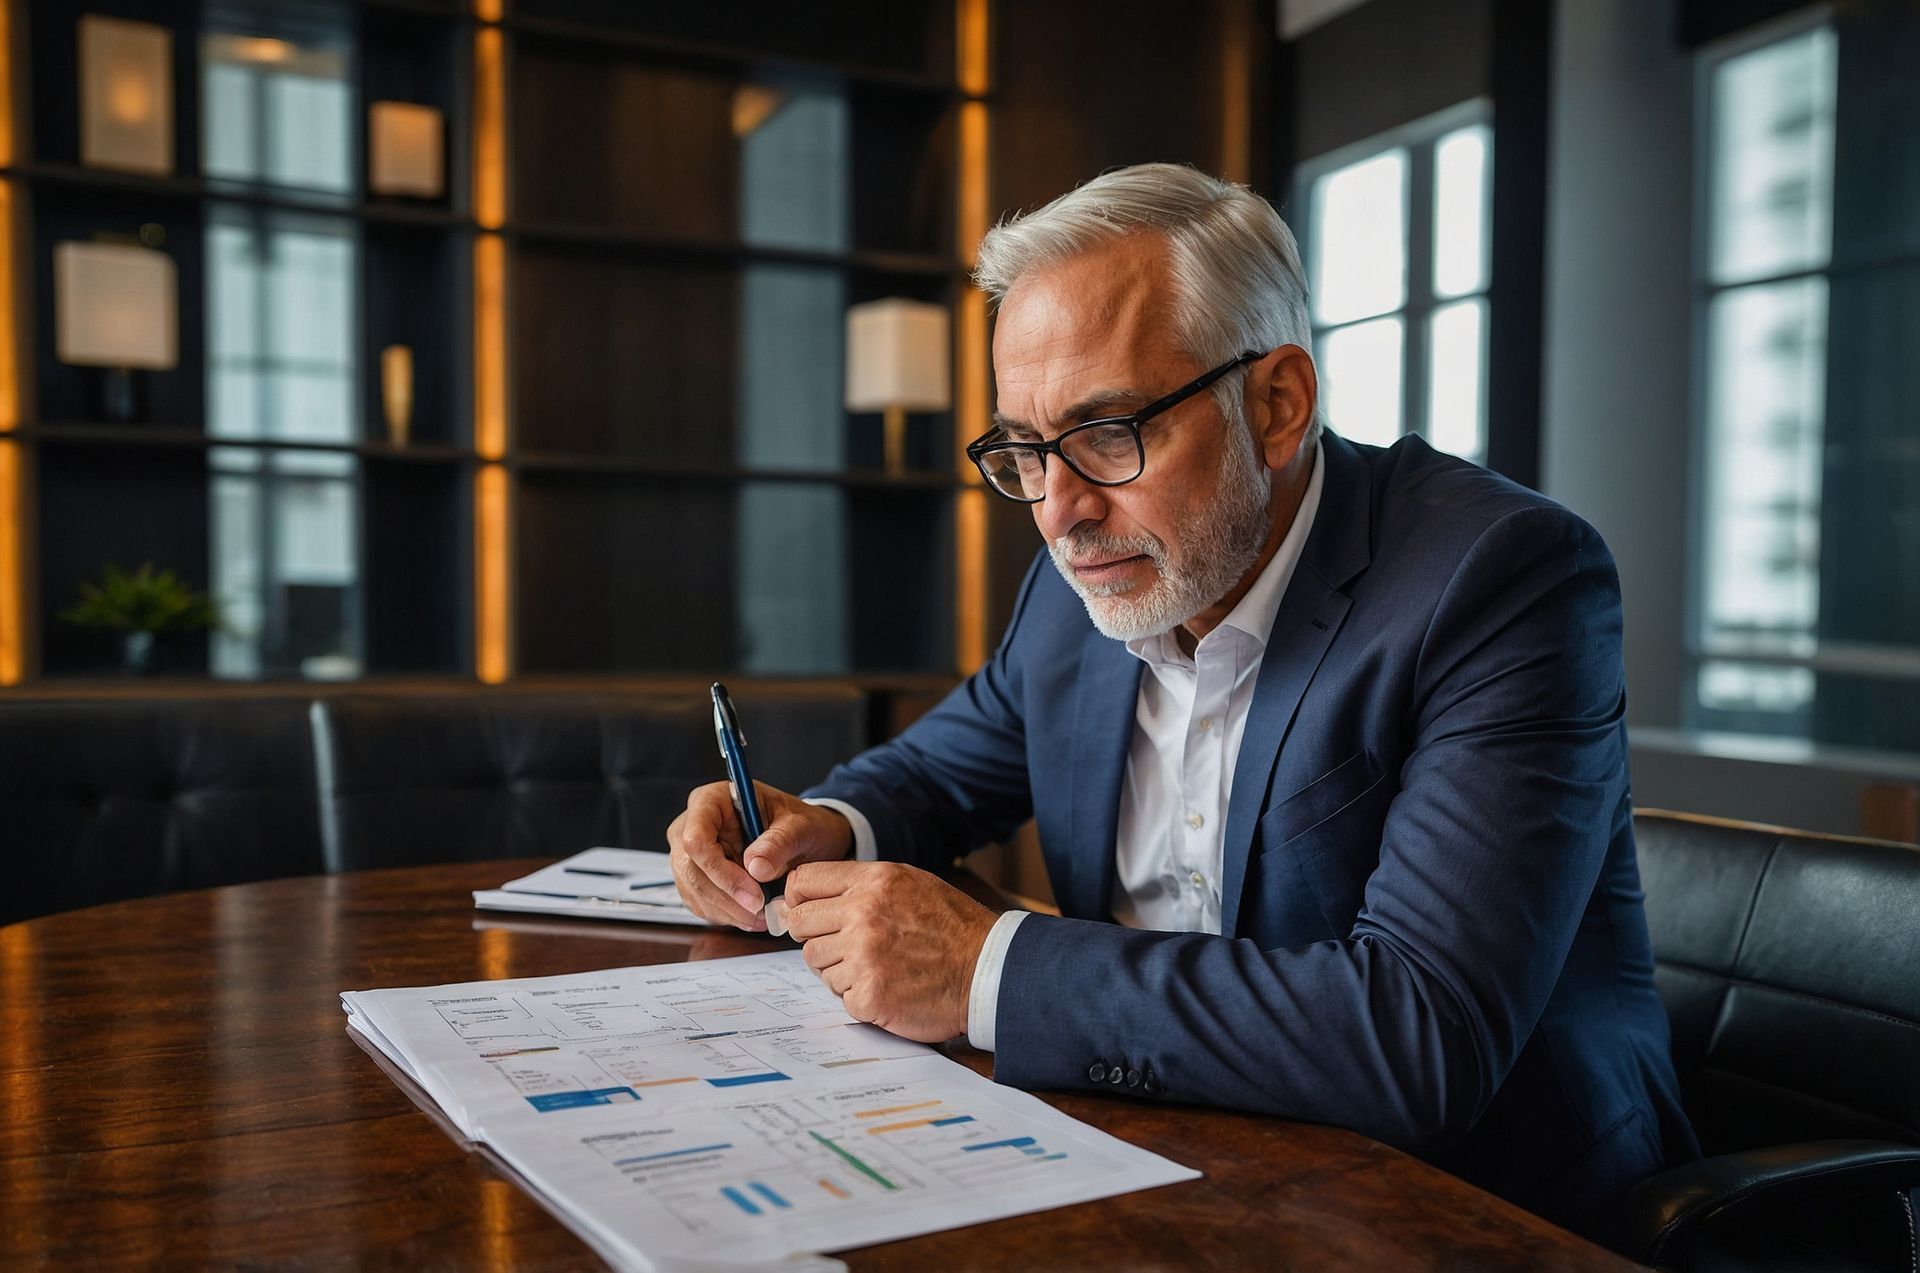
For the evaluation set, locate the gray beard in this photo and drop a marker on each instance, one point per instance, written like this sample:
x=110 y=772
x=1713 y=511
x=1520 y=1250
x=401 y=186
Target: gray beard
x=1217 y=544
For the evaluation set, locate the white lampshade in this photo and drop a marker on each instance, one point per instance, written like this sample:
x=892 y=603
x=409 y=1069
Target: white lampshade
x=898 y=355
x=126 y=95
x=116 y=305
x=405 y=150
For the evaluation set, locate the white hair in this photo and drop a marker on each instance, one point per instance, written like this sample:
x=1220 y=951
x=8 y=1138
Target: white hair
x=1238 y=285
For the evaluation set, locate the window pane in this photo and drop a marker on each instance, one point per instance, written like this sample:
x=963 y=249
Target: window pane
x=1460 y=172
x=278 y=109
x=1359 y=239
x=280 y=313
x=1360 y=380
x=1766 y=383
x=1456 y=378
x=1771 y=156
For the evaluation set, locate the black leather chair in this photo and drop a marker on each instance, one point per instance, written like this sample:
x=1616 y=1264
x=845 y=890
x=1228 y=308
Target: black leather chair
x=406 y=780
x=1790 y=968
x=101 y=801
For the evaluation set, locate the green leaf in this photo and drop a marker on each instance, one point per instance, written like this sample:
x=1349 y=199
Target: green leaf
x=142 y=600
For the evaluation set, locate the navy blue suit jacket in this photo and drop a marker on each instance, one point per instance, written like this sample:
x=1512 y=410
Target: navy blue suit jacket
x=1432 y=913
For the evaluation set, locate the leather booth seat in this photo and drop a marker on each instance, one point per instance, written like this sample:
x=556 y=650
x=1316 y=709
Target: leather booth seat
x=1790 y=968
x=408 y=781
x=101 y=801
x=106 y=800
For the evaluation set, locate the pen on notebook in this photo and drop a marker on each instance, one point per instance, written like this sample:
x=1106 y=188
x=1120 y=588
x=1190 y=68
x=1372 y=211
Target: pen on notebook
x=746 y=800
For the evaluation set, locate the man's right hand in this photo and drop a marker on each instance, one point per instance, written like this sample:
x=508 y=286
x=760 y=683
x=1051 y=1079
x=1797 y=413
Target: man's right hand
x=719 y=875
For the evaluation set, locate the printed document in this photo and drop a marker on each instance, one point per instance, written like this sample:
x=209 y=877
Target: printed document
x=632 y=884
x=729 y=1112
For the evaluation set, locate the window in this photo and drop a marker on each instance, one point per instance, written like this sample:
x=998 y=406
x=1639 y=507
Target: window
x=1806 y=560
x=1396 y=249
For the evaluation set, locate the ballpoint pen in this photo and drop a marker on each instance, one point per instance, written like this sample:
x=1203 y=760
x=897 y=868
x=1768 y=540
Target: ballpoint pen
x=746 y=801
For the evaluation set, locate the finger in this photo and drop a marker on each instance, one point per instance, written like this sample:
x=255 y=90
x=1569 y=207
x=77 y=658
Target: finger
x=823 y=953
x=707 y=899
x=838 y=978
x=817 y=918
x=811 y=880
x=707 y=852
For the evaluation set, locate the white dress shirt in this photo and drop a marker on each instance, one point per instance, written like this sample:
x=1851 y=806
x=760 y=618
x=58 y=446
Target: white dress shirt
x=1187 y=724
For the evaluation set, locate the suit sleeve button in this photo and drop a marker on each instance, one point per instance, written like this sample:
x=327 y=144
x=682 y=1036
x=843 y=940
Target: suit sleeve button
x=1152 y=1084
x=1116 y=1076
x=1133 y=1078
x=1097 y=1072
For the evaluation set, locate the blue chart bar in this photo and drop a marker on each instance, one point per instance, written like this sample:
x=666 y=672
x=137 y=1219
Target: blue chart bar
x=957 y=1118
x=741 y=1080
x=672 y=1153
x=550 y=1101
x=739 y=1200
x=769 y=1194
x=1018 y=1142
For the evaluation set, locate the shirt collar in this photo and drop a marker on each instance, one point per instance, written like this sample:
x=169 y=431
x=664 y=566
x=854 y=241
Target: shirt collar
x=1254 y=615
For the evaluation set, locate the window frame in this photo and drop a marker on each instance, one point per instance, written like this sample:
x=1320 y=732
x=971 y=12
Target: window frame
x=1418 y=138
x=1822 y=655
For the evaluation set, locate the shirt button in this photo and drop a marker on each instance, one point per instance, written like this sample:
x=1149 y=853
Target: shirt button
x=1097 y=1072
x=1196 y=820
x=1198 y=879
x=1206 y=723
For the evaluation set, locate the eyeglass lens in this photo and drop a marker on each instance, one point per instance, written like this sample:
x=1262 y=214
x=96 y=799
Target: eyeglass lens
x=1105 y=453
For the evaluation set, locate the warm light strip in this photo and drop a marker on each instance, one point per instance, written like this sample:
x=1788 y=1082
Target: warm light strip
x=489 y=129
x=972 y=17
x=12 y=638
x=492 y=649
x=490 y=346
x=971 y=354
x=970 y=581
x=974 y=214
x=12 y=581
x=491 y=565
x=1236 y=98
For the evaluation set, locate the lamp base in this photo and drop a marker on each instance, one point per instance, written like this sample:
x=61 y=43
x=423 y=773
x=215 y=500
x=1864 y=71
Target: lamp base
x=118 y=395
x=896 y=441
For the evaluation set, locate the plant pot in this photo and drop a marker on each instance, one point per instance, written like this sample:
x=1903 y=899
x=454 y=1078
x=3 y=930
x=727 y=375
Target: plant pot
x=136 y=653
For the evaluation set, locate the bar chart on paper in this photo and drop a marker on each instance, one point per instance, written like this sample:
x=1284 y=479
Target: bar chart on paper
x=734 y=1108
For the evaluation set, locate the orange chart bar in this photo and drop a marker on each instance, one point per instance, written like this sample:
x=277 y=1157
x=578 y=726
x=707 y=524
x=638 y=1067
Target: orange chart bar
x=894 y=1109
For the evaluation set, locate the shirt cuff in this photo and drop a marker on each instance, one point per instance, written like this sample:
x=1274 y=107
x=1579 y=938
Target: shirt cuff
x=983 y=1001
x=864 y=848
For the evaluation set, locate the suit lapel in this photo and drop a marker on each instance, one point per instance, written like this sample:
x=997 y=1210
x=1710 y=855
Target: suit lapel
x=1108 y=688
x=1310 y=615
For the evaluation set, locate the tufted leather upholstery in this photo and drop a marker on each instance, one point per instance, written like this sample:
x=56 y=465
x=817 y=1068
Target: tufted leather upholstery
x=1790 y=968
x=459 y=777
x=108 y=800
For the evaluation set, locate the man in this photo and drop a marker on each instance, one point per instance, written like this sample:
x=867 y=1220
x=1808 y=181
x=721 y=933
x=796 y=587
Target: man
x=1334 y=732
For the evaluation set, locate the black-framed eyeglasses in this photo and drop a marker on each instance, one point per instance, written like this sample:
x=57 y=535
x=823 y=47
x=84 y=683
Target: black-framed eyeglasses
x=1105 y=452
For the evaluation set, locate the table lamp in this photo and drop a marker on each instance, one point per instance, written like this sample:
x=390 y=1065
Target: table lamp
x=116 y=308
x=898 y=360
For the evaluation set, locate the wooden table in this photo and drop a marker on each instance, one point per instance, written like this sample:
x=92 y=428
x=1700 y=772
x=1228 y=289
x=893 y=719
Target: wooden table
x=179 y=1088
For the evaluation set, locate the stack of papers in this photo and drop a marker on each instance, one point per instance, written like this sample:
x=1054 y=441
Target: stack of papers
x=598 y=884
x=729 y=1114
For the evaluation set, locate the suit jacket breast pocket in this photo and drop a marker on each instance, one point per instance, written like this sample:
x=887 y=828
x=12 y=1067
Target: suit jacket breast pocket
x=1325 y=837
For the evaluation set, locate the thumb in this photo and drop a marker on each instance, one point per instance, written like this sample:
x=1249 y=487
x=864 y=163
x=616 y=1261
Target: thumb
x=783 y=844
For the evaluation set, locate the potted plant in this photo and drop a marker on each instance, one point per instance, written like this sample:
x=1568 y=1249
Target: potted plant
x=140 y=604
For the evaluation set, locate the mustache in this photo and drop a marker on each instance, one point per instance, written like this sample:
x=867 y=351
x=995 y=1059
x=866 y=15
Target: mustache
x=1098 y=543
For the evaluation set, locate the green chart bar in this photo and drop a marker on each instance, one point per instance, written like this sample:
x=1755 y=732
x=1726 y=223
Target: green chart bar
x=859 y=1166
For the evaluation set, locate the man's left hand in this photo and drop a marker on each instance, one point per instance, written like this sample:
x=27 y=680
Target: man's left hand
x=896 y=944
